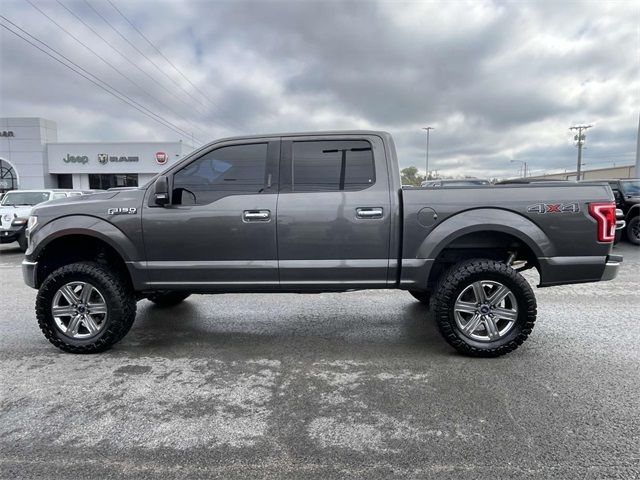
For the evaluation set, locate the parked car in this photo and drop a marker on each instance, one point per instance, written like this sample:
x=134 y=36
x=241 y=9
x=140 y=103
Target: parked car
x=310 y=213
x=627 y=197
x=455 y=182
x=15 y=209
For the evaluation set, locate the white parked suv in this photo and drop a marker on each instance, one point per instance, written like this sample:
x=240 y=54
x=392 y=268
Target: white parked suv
x=15 y=209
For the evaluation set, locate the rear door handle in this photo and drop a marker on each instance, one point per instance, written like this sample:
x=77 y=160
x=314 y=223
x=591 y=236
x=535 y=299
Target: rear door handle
x=256 y=216
x=369 y=212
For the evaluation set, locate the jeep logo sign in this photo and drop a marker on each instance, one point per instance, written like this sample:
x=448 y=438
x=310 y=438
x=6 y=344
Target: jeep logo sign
x=6 y=133
x=75 y=159
x=161 y=158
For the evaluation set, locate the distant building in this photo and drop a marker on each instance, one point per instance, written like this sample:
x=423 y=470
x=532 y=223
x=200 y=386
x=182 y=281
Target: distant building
x=611 y=173
x=32 y=158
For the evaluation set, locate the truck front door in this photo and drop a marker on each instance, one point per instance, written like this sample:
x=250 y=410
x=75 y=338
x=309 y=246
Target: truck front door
x=219 y=232
x=333 y=213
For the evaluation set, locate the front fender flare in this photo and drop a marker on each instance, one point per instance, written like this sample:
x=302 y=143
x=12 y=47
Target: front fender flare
x=83 y=225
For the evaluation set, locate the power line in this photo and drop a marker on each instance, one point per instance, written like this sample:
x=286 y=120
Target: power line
x=160 y=52
x=99 y=83
x=117 y=70
x=109 y=64
x=198 y=101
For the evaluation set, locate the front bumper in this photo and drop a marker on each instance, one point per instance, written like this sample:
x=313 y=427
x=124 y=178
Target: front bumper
x=611 y=267
x=30 y=273
x=11 y=234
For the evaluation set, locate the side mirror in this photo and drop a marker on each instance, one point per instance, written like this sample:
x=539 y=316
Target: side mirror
x=161 y=191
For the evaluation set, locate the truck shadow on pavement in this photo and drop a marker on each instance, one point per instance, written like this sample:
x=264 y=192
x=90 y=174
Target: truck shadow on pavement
x=193 y=328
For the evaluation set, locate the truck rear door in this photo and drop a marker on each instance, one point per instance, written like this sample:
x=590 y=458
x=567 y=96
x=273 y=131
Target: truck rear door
x=333 y=214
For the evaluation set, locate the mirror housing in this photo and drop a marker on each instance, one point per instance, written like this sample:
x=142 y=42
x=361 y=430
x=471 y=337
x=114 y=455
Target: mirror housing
x=161 y=195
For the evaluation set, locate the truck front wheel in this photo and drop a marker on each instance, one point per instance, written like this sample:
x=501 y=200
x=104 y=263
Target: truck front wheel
x=85 y=308
x=484 y=308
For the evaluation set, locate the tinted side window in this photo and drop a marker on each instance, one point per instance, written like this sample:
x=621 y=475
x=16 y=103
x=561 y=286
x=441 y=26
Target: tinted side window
x=333 y=165
x=228 y=170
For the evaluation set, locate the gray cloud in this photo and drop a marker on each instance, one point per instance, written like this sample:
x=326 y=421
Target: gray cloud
x=499 y=81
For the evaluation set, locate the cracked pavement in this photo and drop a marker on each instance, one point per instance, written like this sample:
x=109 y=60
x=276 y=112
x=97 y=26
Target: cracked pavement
x=352 y=385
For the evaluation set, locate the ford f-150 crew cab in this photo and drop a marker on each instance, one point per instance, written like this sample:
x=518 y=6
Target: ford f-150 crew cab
x=313 y=212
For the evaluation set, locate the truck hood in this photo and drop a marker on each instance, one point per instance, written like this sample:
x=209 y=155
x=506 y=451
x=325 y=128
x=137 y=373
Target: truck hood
x=9 y=212
x=100 y=205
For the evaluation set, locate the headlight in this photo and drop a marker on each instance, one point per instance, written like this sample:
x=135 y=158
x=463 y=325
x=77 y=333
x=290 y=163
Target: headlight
x=32 y=222
x=7 y=218
x=18 y=221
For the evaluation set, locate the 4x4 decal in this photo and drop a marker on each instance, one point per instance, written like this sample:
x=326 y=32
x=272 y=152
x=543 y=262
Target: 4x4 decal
x=554 y=208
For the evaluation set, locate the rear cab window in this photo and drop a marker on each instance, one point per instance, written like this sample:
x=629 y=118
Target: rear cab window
x=327 y=166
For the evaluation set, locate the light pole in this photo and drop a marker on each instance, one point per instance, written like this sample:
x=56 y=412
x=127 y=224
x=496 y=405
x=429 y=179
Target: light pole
x=428 y=129
x=580 y=138
x=525 y=166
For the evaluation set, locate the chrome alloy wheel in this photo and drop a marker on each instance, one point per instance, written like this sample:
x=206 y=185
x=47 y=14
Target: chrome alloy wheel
x=79 y=310
x=486 y=311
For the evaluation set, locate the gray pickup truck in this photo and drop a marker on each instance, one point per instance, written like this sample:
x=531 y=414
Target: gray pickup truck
x=313 y=212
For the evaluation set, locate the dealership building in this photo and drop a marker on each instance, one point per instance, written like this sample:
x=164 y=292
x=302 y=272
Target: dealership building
x=32 y=158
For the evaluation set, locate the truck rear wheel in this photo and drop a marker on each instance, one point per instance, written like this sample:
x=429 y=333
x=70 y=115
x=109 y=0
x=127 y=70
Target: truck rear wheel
x=85 y=308
x=484 y=308
x=167 y=299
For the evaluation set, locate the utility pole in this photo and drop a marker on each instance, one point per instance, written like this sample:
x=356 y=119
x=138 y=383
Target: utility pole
x=524 y=167
x=580 y=138
x=428 y=129
x=637 y=174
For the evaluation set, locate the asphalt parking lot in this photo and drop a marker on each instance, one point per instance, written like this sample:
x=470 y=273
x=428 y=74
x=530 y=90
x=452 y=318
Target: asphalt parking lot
x=355 y=385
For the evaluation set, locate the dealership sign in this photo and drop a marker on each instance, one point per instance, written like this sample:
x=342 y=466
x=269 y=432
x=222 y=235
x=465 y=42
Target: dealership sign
x=75 y=159
x=161 y=158
x=104 y=158
x=6 y=133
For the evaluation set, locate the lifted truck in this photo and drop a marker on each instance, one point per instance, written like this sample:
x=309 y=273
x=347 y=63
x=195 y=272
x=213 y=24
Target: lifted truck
x=313 y=212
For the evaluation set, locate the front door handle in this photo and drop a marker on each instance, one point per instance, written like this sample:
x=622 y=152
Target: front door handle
x=369 y=212
x=256 y=216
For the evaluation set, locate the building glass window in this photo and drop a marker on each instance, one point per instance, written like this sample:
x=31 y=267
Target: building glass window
x=100 y=181
x=65 y=180
x=8 y=177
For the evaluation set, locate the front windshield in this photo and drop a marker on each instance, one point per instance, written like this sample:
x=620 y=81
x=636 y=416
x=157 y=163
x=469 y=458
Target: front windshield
x=631 y=187
x=25 y=198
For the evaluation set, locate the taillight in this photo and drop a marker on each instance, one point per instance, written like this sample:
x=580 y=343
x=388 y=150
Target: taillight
x=605 y=215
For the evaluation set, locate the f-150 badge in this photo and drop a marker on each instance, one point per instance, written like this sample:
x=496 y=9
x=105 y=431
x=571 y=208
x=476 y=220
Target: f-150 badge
x=554 y=208
x=122 y=211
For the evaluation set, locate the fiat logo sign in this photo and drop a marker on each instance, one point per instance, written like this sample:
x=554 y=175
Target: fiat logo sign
x=161 y=158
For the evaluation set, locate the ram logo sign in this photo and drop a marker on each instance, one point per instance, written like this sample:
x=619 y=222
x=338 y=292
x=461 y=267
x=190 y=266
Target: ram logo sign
x=554 y=208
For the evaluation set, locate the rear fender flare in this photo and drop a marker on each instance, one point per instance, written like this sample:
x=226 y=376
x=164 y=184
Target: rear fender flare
x=486 y=220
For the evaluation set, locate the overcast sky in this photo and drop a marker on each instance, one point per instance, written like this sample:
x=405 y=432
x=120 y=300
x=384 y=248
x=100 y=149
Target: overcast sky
x=497 y=80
